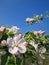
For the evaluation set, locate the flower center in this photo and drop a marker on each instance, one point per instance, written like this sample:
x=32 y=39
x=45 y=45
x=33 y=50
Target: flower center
x=16 y=44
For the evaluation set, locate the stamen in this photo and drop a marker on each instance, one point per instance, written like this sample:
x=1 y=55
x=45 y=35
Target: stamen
x=16 y=44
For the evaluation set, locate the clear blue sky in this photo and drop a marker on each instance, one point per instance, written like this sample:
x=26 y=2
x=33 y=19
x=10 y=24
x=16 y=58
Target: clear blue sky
x=14 y=12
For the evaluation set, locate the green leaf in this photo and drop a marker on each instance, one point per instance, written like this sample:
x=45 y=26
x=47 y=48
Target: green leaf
x=41 y=17
x=4 y=59
x=44 y=40
x=18 y=61
x=28 y=53
x=30 y=36
x=4 y=36
x=46 y=53
x=11 y=34
x=34 y=58
x=11 y=60
x=31 y=56
x=31 y=47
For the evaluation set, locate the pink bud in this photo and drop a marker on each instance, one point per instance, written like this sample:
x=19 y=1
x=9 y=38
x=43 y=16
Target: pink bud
x=17 y=53
x=25 y=44
x=4 y=43
x=39 y=32
x=1 y=32
x=43 y=32
x=20 y=36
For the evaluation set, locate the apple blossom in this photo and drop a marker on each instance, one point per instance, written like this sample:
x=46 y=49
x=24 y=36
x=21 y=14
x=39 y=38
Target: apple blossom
x=33 y=44
x=41 y=50
x=29 y=20
x=16 y=44
x=15 y=30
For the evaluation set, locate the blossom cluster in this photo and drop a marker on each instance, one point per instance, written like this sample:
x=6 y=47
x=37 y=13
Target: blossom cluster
x=15 y=40
x=18 y=44
x=36 y=18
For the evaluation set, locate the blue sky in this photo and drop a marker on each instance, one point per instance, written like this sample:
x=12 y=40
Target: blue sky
x=14 y=12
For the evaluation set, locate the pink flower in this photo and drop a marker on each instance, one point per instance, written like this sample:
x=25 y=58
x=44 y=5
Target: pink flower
x=4 y=43
x=39 y=32
x=16 y=44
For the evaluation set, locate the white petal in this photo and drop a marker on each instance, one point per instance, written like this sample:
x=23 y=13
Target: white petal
x=16 y=38
x=22 y=48
x=43 y=49
x=35 y=32
x=31 y=20
x=21 y=41
x=10 y=42
x=27 y=19
x=37 y=15
x=33 y=44
x=42 y=56
x=13 y=50
x=25 y=44
x=2 y=27
x=15 y=29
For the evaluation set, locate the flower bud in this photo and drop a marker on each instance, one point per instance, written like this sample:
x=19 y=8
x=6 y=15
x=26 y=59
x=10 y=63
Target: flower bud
x=4 y=43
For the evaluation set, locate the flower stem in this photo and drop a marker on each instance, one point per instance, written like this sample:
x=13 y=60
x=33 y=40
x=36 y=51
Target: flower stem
x=15 y=59
x=7 y=60
x=22 y=62
x=0 y=59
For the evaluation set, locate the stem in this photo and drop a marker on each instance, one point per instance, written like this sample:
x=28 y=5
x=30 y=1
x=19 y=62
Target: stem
x=23 y=60
x=0 y=59
x=7 y=60
x=14 y=59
